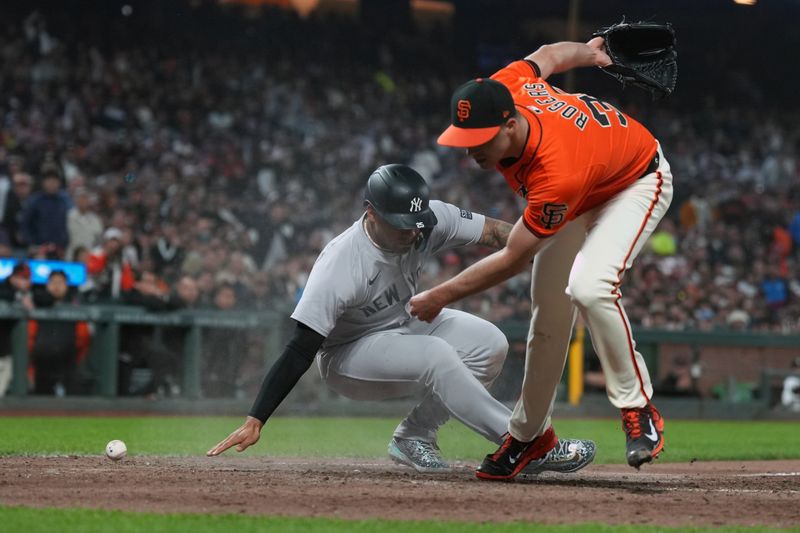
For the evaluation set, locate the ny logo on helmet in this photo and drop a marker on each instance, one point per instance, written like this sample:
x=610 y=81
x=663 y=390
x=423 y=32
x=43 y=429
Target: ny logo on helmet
x=463 y=109
x=416 y=205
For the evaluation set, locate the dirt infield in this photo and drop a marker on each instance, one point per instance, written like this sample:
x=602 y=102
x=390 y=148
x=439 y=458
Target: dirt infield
x=710 y=494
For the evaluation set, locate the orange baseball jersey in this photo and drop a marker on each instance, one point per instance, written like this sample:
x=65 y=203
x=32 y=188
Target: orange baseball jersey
x=580 y=151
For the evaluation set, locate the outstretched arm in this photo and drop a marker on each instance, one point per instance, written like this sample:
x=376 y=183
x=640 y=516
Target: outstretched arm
x=283 y=376
x=560 y=57
x=491 y=270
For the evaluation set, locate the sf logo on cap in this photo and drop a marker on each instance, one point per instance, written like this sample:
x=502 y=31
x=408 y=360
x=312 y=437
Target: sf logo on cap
x=416 y=205
x=462 y=110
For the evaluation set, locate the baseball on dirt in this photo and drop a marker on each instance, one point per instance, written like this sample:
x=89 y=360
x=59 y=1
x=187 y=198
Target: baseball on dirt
x=116 y=450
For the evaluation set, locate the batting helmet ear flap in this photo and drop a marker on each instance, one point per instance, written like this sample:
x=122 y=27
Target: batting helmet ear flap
x=424 y=235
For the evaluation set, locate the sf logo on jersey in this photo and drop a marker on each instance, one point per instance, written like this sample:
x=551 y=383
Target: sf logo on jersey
x=553 y=214
x=416 y=205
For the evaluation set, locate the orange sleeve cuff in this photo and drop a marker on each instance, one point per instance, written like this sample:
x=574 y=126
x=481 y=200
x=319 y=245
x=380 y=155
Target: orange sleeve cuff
x=536 y=70
x=533 y=229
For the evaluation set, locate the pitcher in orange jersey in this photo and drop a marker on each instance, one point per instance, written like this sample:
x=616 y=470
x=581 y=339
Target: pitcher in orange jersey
x=596 y=185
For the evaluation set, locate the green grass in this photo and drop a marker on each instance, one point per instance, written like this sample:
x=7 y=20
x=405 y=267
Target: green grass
x=90 y=521
x=341 y=437
x=367 y=437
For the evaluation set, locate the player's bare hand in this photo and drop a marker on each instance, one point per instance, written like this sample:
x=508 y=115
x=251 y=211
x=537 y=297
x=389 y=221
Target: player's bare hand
x=244 y=437
x=598 y=46
x=426 y=306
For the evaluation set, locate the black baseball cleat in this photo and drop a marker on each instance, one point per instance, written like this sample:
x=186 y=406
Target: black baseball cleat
x=514 y=455
x=644 y=432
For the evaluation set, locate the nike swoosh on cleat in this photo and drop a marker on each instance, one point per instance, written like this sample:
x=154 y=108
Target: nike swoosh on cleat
x=653 y=435
x=513 y=460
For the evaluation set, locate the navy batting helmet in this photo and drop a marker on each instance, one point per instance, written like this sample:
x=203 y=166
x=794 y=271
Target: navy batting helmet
x=400 y=196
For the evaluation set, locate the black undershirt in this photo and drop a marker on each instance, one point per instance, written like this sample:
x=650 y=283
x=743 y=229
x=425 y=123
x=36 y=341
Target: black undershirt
x=287 y=371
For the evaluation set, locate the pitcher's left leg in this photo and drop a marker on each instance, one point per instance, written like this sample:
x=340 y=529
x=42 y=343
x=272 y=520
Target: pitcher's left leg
x=616 y=236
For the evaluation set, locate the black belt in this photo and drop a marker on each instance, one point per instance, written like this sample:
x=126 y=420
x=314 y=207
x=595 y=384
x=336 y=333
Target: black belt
x=652 y=167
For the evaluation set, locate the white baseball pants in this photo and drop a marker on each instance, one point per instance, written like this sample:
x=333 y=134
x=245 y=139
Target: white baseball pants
x=580 y=269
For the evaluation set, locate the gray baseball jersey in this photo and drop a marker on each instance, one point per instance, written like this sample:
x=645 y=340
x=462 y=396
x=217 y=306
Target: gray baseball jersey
x=355 y=289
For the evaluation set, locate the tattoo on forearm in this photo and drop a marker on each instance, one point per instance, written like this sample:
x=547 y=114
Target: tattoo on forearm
x=495 y=233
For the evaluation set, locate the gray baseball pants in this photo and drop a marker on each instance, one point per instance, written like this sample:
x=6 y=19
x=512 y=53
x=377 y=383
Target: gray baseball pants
x=450 y=363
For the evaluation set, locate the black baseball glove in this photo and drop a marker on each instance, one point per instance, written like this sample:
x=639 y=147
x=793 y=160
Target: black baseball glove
x=643 y=54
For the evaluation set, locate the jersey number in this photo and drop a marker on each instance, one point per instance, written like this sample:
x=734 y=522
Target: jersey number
x=600 y=109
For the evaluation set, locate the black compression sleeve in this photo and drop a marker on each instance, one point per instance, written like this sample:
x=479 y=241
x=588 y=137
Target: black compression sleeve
x=287 y=370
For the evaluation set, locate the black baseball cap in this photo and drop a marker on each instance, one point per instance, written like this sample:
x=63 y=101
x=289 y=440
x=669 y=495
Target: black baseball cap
x=477 y=110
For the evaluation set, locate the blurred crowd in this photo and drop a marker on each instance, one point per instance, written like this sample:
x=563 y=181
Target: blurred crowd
x=228 y=169
x=212 y=175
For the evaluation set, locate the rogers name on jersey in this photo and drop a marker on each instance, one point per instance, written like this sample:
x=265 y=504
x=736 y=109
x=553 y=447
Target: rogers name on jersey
x=597 y=108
